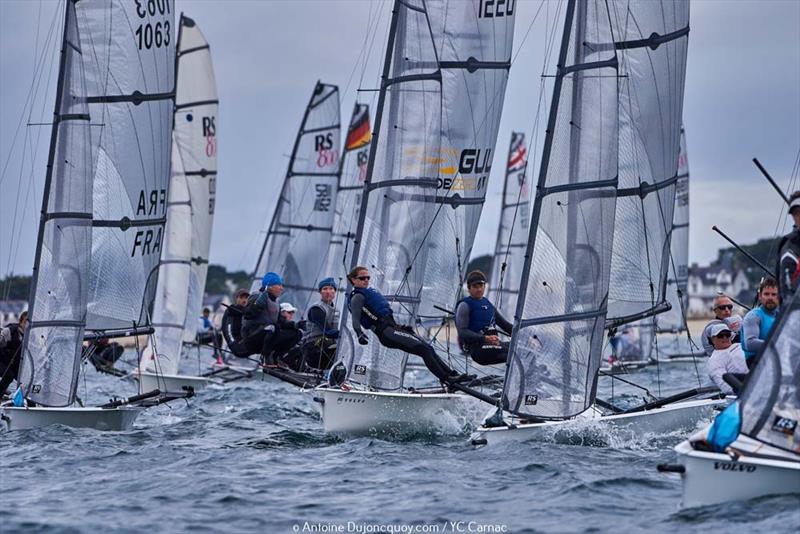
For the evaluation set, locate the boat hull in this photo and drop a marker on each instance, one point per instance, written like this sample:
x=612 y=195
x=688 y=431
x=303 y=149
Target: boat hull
x=121 y=418
x=171 y=383
x=712 y=478
x=671 y=418
x=360 y=413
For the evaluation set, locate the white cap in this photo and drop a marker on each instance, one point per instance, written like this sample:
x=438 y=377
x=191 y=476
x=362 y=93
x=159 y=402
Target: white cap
x=795 y=204
x=287 y=307
x=718 y=328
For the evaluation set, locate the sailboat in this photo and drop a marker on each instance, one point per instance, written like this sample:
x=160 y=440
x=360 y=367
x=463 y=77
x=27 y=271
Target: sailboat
x=190 y=215
x=753 y=448
x=614 y=121
x=302 y=223
x=103 y=206
x=512 y=231
x=438 y=113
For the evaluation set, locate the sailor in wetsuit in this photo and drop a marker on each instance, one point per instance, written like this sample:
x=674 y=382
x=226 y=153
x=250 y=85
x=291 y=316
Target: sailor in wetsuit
x=477 y=321
x=370 y=310
x=789 y=253
x=232 y=324
x=10 y=350
x=104 y=354
x=263 y=327
x=322 y=328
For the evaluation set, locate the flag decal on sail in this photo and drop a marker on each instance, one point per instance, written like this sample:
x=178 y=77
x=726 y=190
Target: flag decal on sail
x=359 y=133
x=517 y=156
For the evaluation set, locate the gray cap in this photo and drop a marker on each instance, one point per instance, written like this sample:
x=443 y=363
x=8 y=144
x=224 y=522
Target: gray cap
x=718 y=328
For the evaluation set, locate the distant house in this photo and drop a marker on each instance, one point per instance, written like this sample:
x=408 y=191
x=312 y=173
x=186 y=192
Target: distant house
x=705 y=283
x=10 y=310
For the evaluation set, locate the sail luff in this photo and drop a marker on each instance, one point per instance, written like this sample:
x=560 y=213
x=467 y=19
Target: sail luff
x=52 y=344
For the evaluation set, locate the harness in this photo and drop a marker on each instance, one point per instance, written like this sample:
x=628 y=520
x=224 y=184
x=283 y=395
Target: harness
x=376 y=311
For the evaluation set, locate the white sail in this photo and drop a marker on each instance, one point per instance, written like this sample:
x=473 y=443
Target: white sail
x=436 y=126
x=190 y=209
x=652 y=42
x=302 y=224
x=559 y=330
x=348 y=196
x=129 y=58
x=512 y=231
x=52 y=343
x=678 y=281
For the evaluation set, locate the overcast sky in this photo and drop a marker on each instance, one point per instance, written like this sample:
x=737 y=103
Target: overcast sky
x=742 y=100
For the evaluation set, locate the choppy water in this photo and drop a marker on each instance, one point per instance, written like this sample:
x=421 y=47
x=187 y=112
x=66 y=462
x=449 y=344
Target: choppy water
x=253 y=457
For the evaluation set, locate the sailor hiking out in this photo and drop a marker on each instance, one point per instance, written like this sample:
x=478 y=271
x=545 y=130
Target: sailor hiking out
x=477 y=321
x=264 y=329
x=232 y=324
x=370 y=310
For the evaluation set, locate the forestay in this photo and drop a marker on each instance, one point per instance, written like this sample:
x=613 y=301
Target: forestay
x=441 y=98
x=512 y=232
x=190 y=208
x=302 y=224
x=559 y=331
x=652 y=39
x=677 y=283
x=348 y=196
x=52 y=344
x=129 y=54
x=770 y=403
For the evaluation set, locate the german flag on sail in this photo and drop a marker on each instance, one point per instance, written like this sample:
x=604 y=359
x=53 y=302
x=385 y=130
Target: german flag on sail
x=359 y=133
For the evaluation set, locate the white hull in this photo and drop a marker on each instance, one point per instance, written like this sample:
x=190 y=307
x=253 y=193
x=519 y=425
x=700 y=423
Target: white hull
x=713 y=478
x=371 y=413
x=171 y=383
x=120 y=418
x=671 y=418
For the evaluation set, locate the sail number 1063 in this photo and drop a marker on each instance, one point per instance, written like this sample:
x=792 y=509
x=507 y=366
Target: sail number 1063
x=149 y=35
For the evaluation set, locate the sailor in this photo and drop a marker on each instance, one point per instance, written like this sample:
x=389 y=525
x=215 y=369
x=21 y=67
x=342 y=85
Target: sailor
x=321 y=333
x=206 y=333
x=477 y=321
x=625 y=346
x=726 y=359
x=232 y=324
x=294 y=355
x=264 y=329
x=789 y=253
x=723 y=308
x=10 y=348
x=104 y=354
x=370 y=310
x=758 y=322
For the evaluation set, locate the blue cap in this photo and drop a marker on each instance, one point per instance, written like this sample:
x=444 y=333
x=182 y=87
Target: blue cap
x=271 y=279
x=327 y=282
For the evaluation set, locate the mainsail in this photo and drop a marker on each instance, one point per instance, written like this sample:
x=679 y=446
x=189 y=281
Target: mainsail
x=190 y=208
x=302 y=223
x=652 y=41
x=348 y=195
x=105 y=194
x=439 y=108
x=559 y=327
x=512 y=232
x=677 y=283
x=52 y=344
x=770 y=402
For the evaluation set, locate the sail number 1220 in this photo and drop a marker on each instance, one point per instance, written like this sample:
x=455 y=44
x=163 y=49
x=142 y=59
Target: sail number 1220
x=149 y=35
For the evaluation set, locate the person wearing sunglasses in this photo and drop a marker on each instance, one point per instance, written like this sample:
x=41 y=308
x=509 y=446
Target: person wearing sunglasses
x=477 y=322
x=370 y=310
x=789 y=253
x=723 y=310
x=759 y=321
x=727 y=364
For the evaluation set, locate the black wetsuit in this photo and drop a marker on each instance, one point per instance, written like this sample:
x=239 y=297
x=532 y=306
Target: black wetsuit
x=232 y=331
x=105 y=355
x=789 y=264
x=472 y=331
x=321 y=335
x=265 y=331
x=10 y=349
x=392 y=335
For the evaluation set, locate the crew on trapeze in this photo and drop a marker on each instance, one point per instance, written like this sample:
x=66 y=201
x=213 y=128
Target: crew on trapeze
x=477 y=321
x=263 y=328
x=10 y=349
x=322 y=328
x=789 y=253
x=370 y=310
x=232 y=324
